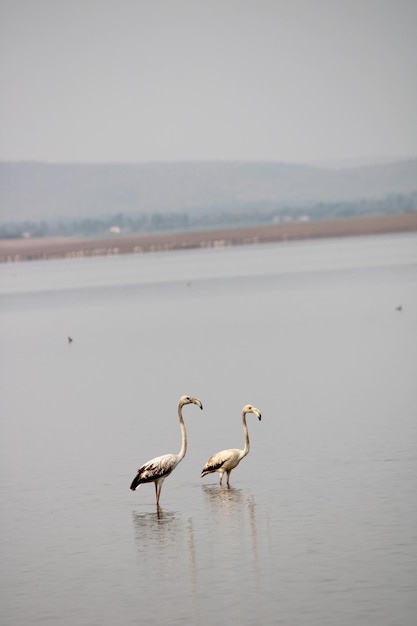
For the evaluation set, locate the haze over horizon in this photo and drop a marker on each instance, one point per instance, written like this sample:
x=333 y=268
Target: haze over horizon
x=295 y=81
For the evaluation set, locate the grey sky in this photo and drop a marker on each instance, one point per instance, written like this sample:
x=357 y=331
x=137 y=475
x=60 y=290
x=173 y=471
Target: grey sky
x=162 y=80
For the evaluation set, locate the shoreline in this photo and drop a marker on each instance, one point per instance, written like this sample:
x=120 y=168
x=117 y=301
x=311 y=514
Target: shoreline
x=18 y=250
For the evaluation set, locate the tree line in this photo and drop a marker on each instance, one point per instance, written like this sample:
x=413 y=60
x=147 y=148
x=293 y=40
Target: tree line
x=254 y=215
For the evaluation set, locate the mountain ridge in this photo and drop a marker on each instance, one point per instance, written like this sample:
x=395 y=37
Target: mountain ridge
x=44 y=191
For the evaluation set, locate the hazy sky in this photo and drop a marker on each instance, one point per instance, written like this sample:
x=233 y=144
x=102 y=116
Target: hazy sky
x=163 y=80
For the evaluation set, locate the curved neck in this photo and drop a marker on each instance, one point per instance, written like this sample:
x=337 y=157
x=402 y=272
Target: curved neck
x=183 y=450
x=245 y=430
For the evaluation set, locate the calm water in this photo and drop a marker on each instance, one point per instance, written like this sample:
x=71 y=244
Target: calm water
x=320 y=525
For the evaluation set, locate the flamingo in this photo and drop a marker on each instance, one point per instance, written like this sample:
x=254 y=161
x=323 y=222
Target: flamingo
x=157 y=469
x=227 y=460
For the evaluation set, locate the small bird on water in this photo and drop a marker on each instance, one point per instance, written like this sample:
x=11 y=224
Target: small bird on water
x=70 y=339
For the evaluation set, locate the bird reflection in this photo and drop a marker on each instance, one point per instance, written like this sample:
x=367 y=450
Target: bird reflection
x=166 y=546
x=192 y=560
x=154 y=529
x=152 y=522
x=236 y=506
x=227 y=499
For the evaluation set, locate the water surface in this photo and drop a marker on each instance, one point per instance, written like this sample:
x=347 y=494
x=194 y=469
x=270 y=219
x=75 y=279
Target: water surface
x=320 y=524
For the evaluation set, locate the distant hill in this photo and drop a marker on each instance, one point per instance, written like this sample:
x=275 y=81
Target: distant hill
x=40 y=191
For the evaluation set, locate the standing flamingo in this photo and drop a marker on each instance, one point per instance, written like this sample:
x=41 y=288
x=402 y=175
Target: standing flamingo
x=226 y=460
x=157 y=469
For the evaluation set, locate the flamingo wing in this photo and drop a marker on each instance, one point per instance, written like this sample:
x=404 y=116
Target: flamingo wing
x=159 y=467
x=217 y=461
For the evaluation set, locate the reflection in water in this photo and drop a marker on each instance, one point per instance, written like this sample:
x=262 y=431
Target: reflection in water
x=171 y=559
x=193 y=569
x=237 y=504
x=231 y=501
x=155 y=527
x=224 y=497
x=237 y=509
x=156 y=539
x=167 y=556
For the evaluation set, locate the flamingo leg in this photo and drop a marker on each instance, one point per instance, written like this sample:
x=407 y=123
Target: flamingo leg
x=221 y=478
x=156 y=492
x=228 y=477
